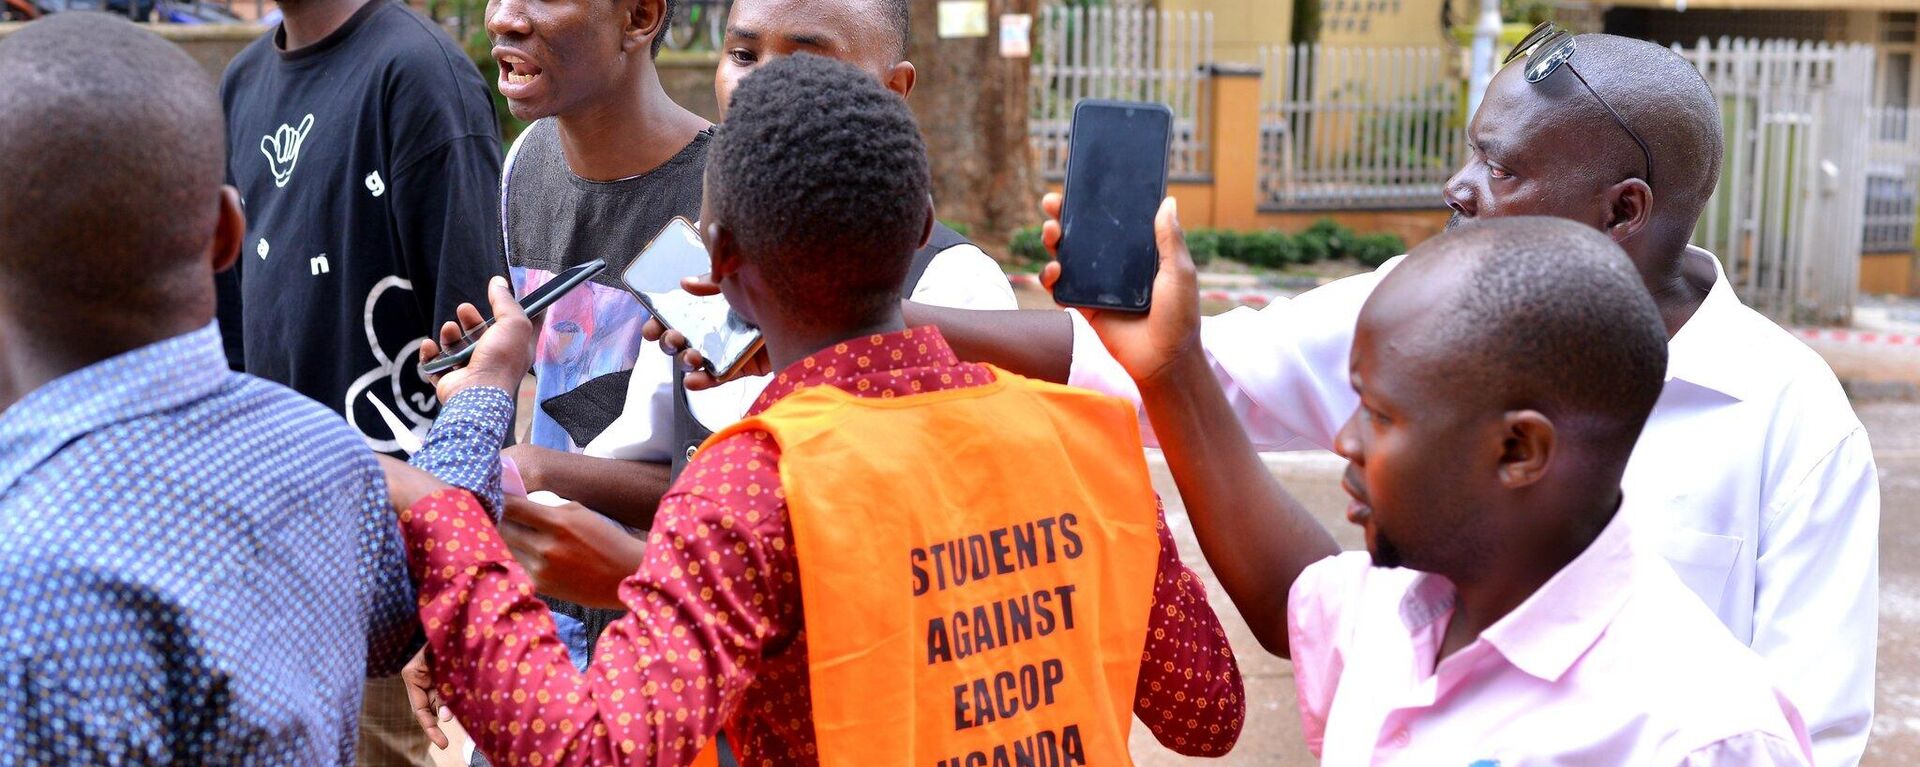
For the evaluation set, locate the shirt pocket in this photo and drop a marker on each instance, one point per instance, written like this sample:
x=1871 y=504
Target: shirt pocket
x=1703 y=561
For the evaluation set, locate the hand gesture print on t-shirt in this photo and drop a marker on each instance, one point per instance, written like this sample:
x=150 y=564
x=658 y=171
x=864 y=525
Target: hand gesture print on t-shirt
x=282 y=148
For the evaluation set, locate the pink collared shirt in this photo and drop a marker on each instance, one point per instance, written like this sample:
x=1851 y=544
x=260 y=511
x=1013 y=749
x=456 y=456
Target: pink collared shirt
x=1612 y=662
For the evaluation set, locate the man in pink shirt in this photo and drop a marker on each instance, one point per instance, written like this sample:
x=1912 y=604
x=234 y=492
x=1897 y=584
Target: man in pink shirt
x=1501 y=614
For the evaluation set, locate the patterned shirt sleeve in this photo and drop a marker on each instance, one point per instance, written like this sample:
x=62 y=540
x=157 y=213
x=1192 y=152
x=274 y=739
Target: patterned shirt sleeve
x=393 y=626
x=663 y=678
x=463 y=447
x=1189 y=693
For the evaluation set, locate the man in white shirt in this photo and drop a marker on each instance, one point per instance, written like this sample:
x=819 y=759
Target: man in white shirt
x=1503 y=612
x=1753 y=476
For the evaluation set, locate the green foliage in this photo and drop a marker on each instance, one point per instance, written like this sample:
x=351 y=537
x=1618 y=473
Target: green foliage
x=1269 y=249
x=1313 y=247
x=1266 y=249
x=1026 y=246
x=1375 y=249
x=1208 y=244
x=1528 y=12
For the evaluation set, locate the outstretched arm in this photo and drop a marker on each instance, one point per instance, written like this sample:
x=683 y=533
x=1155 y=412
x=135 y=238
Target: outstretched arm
x=1036 y=343
x=1256 y=536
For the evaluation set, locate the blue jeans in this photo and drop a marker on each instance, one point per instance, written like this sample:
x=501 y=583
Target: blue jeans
x=573 y=634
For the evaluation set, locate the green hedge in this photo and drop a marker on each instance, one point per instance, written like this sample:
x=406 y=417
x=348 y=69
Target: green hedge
x=1271 y=249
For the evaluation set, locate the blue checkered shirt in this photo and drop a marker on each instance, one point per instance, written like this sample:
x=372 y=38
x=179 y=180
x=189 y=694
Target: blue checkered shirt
x=198 y=566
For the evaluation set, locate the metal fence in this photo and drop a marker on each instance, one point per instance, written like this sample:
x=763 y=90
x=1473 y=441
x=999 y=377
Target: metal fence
x=1893 y=180
x=1130 y=53
x=1787 y=218
x=1370 y=127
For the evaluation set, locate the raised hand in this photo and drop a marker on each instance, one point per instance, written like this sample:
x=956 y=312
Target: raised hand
x=1144 y=344
x=503 y=353
x=674 y=344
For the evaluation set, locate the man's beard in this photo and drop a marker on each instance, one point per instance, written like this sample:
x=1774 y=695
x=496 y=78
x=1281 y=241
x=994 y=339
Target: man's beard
x=1456 y=220
x=1384 y=553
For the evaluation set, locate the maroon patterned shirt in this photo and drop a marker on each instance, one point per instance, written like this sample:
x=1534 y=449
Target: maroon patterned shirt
x=716 y=633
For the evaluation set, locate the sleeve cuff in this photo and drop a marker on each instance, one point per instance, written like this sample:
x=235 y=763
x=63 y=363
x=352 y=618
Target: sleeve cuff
x=463 y=447
x=1093 y=368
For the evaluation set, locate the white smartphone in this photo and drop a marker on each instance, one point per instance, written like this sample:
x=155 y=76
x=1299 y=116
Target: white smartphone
x=724 y=339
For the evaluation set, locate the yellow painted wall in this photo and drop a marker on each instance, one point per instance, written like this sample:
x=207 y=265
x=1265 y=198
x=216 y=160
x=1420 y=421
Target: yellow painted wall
x=1408 y=22
x=1887 y=273
x=1242 y=27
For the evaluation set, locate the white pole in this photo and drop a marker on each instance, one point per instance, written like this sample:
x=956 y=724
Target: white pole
x=1484 y=35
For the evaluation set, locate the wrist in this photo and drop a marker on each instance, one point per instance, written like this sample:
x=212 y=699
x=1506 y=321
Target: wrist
x=1186 y=368
x=527 y=459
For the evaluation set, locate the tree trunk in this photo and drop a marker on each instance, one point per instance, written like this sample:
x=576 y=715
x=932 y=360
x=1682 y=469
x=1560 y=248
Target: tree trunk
x=972 y=106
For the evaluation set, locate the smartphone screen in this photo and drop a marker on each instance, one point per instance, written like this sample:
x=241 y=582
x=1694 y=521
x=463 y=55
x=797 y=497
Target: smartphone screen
x=722 y=337
x=1116 y=178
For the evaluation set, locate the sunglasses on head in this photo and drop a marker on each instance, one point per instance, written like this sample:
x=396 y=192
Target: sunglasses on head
x=1548 y=47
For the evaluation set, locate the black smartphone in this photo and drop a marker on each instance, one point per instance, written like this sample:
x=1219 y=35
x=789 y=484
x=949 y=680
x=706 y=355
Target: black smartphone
x=532 y=303
x=1116 y=178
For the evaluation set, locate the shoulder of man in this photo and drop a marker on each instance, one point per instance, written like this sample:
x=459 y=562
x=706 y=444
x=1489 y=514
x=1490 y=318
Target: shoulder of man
x=1772 y=370
x=1708 y=686
x=432 y=89
x=253 y=55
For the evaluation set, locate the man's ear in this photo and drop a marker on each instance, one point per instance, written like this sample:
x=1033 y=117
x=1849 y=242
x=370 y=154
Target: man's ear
x=646 y=21
x=1529 y=442
x=723 y=253
x=230 y=229
x=1629 y=209
x=901 y=78
x=926 y=228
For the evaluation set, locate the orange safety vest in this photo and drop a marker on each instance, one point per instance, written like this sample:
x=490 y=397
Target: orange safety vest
x=976 y=567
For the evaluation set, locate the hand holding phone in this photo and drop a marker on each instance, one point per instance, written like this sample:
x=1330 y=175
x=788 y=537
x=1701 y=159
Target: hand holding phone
x=500 y=358
x=1145 y=344
x=532 y=305
x=724 y=341
x=1116 y=178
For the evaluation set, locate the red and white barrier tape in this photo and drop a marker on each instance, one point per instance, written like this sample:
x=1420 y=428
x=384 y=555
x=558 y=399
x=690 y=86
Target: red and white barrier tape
x=1857 y=336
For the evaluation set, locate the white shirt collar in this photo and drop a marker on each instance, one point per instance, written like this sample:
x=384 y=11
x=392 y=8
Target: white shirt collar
x=1707 y=351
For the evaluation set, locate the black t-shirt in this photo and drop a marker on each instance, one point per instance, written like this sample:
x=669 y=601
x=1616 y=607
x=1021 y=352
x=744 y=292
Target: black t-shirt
x=369 y=165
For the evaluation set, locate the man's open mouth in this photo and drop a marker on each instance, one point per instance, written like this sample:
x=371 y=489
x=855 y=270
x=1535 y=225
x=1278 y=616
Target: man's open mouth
x=517 y=70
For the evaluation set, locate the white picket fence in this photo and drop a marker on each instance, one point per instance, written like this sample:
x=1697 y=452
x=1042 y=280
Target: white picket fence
x=1788 y=217
x=1131 y=53
x=1371 y=127
x=1893 y=180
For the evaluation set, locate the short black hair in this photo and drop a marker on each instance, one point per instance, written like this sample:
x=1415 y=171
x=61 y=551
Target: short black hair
x=113 y=147
x=821 y=175
x=1552 y=316
x=666 y=23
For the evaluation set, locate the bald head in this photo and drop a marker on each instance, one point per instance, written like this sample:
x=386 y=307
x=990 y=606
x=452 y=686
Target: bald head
x=1667 y=101
x=1550 y=148
x=1530 y=313
x=113 y=144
